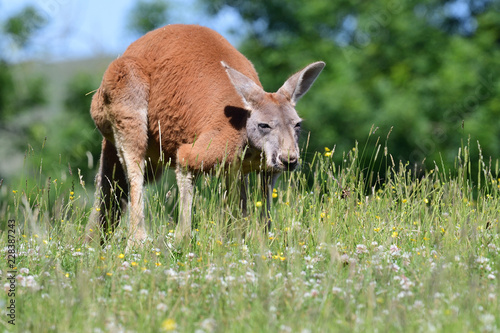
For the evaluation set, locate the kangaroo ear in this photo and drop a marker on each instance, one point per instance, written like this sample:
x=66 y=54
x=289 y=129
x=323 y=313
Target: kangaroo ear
x=299 y=83
x=249 y=91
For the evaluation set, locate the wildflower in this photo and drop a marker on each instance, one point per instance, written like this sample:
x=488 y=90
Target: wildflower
x=121 y=256
x=394 y=249
x=14 y=191
x=24 y=271
x=133 y=264
x=258 y=204
x=77 y=254
x=127 y=287
x=143 y=291
x=376 y=229
x=285 y=329
x=487 y=320
x=361 y=248
x=395 y=267
x=158 y=264
x=98 y=209
x=328 y=154
x=394 y=234
x=162 y=307
x=336 y=290
x=426 y=200
x=208 y=325
x=492 y=247
x=109 y=274
x=168 y=325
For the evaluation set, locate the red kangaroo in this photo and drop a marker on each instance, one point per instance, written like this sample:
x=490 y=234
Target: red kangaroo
x=182 y=94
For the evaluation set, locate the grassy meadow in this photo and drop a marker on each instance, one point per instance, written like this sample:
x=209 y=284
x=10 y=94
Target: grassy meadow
x=412 y=252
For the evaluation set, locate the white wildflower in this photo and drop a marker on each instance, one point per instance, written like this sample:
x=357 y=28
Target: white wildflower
x=162 y=307
x=208 y=325
x=361 y=248
x=336 y=290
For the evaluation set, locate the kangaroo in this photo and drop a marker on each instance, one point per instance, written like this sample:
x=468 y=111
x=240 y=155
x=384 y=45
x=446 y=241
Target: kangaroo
x=184 y=94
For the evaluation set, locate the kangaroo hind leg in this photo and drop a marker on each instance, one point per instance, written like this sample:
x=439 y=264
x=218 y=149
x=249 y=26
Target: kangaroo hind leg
x=111 y=194
x=126 y=93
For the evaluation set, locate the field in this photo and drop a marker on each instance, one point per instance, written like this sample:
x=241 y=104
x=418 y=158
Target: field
x=412 y=252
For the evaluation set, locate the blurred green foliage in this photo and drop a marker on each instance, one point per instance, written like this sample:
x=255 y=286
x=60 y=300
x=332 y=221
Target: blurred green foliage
x=148 y=15
x=71 y=140
x=23 y=25
x=17 y=32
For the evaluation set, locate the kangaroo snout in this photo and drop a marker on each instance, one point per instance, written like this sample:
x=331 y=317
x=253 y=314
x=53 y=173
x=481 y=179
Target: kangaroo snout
x=289 y=161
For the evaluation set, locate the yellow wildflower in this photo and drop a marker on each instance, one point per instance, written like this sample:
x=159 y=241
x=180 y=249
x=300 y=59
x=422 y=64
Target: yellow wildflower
x=169 y=325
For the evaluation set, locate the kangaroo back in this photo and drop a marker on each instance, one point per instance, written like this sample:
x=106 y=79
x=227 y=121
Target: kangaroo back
x=190 y=90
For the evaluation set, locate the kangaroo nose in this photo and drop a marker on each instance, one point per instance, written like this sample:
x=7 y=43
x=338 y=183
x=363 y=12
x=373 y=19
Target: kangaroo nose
x=289 y=161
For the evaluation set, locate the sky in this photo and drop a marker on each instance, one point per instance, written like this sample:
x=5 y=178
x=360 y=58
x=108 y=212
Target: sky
x=89 y=28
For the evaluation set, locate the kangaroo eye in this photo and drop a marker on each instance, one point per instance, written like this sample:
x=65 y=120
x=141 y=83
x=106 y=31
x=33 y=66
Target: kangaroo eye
x=264 y=126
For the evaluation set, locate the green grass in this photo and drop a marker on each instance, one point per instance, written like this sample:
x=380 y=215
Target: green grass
x=416 y=252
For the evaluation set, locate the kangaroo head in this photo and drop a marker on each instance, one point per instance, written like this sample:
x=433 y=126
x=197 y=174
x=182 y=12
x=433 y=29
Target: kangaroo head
x=273 y=126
